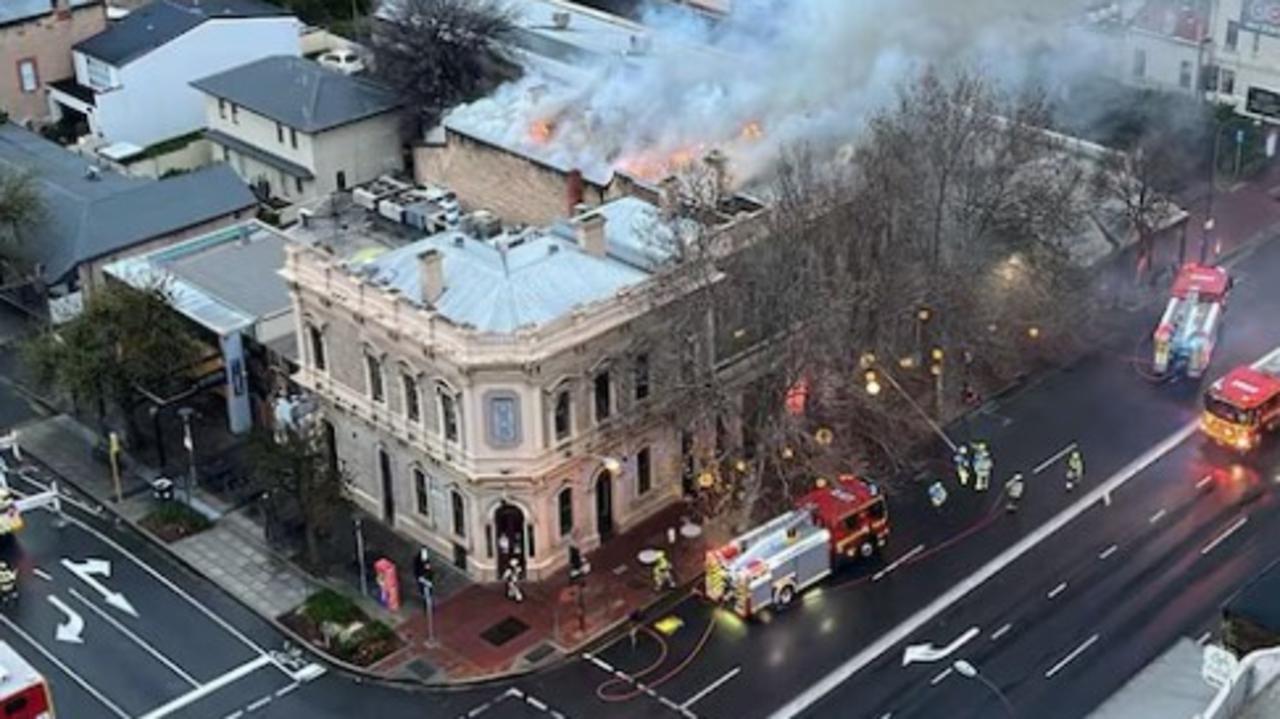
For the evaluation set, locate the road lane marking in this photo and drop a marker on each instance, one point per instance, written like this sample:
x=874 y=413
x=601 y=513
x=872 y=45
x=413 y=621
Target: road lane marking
x=1203 y=481
x=1062 y=587
x=938 y=679
x=710 y=688
x=1156 y=517
x=995 y=636
x=42 y=574
x=287 y=688
x=1067 y=659
x=62 y=667
x=1235 y=527
x=258 y=704
x=912 y=624
x=897 y=563
x=205 y=690
x=1049 y=462
x=142 y=644
x=536 y=703
x=598 y=662
x=1108 y=552
x=1203 y=638
x=235 y=714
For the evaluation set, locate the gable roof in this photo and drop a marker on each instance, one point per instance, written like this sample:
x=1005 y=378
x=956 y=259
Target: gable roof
x=90 y=218
x=158 y=22
x=299 y=93
x=14 y=11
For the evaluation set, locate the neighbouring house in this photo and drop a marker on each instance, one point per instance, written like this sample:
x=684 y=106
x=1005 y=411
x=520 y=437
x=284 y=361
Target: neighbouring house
x=133 y=80
x=297 y=131
x=95 y=215
x=36 y=37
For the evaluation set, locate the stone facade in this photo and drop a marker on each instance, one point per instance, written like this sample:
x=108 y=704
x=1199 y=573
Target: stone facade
x=40 y=47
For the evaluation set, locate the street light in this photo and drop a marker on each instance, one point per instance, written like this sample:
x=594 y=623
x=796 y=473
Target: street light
x=873 y=388
x=187 y=441
x=969 y=671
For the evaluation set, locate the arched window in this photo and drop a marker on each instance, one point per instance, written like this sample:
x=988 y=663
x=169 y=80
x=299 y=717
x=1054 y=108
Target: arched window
x=565 y=500
x=421 y=491
x=373 y=367
x=315 y=336
x=459 y=513
x=448 y=402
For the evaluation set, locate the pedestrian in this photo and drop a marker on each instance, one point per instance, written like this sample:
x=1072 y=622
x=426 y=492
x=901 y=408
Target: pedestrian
x=982 y=466
x=1075 y=468
x=963 y=465
x=1014 y=488
x=512 y=577
x=663 y=576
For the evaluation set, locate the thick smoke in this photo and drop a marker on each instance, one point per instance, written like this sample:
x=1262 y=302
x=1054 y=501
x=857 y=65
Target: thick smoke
x=774 y=73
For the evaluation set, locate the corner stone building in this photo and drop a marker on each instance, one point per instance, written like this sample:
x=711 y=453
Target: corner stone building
x=474 y=390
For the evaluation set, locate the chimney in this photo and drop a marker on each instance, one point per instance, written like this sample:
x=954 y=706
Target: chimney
x=669 y=196
x=573 y=191
x=719 y=165
x=431 y=275
x=590 y=230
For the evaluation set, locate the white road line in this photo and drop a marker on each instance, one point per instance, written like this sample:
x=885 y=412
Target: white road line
x=42 y=574
x=1204 y=480
x=477 y=711
x=84 y=684
x=142 y=644
x=235 y=714
x=995 y=636
x=1157 y=517
x=1067 y=659
x=1108 y=552
x=1049 y=462
x=710 y=688
x=258 y=704
x=898 y=634
x=897 y=563
x=938 y=679
x=1235 y=526
x=598 y=662
x=287 y=688
x=514 y=692
x=205 y=690
x=1203 y=638
x=1062 y=587
x=536 y=703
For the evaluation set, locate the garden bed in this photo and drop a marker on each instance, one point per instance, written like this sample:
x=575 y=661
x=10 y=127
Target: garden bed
x=335 y=625
x=172 y=521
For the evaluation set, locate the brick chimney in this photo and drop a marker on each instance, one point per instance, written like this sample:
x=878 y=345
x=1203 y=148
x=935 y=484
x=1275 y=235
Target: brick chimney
x=431 y=275
x=573 y=191
x=590 y=230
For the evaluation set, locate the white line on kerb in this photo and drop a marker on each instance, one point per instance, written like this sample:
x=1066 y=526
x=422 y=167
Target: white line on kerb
x=1235 y=526
x=1062 y=587
x=205 y=690
x=710 y=688
x=1057 y=456
x=131 y=636
x=1204 y=480
x=84 y=684
x=1108 y=552
x=1157 y=517
x=897 y=563
x=995 y=636
x=939 y=677
x=1067 y=659
x=895 y=636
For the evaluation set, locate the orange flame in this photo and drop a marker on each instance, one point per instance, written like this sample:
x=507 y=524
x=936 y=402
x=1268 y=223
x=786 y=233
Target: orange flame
x=752 y=131
x=541 y=130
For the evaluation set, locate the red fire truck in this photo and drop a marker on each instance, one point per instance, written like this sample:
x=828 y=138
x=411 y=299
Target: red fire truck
x=1192 y=321
x=771 y=564
x=24 y=694
x=1239 y=407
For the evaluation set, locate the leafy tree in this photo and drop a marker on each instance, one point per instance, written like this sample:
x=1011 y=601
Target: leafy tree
x=440 y=53
x=124 y=340
x=21 y=210
x=295 y=468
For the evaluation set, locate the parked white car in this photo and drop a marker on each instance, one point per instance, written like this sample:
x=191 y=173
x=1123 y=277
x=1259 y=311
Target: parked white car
x=343 y=60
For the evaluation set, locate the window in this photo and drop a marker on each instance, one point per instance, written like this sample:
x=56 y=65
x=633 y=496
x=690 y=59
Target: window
x=644 y=472
x=222 y=108
x=1257 y=41
x=423 y=499
x=502 y=419
x=565 y=501
x=28 y=77
x=297 y=184
x=98 y=72
x=448 y=415
x=412 y=403
x=1184 y=74
x=293 y=138
x=341 y=179
x=1227 y=82
x=279 y=133
x=226 y=154
x=317 y=347
x=603 y=392
x=641 y=376
x=562 y=415
x=235 y=113
x=374 y=366
x=1139 y=63
x=459 y=514
x=1233 y=35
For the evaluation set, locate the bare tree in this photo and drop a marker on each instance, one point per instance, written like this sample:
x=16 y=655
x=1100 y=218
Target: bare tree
x=440 y=53
x=1136 y=182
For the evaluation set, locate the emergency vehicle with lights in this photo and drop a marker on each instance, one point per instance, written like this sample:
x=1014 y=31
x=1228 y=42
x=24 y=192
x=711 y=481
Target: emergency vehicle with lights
x=1241 y=406
x=1192 y=321
x=24 y=693
x=771 y=564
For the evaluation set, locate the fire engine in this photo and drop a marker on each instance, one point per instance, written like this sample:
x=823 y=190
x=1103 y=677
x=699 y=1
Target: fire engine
x=24 y=693
x=1239 y=407
x=1192 y=320
x=771 y=564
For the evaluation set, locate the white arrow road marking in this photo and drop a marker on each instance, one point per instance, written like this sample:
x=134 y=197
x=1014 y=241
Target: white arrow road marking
x=172 y=665
x=70 y=630
x=90 y=568
x=927 y=652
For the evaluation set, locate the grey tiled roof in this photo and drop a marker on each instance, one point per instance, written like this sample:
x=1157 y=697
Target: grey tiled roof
x=299 y=93
x=90 y=218
x=158 y=22
x=12 y=11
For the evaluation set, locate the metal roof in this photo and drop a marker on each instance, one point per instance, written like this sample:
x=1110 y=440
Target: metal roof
x=89 y=218
x=300 y=93
x=158 y=22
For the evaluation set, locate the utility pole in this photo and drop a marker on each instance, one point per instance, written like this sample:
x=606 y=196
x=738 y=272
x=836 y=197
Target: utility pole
x=364 y=581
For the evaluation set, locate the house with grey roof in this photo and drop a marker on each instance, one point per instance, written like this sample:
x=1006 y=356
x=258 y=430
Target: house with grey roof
x=95 y=215
x=35 y=50
x=297 y=130
x=133 y=80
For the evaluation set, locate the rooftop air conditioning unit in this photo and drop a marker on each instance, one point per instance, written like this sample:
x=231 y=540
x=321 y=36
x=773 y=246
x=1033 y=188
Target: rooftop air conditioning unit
x=560 y=20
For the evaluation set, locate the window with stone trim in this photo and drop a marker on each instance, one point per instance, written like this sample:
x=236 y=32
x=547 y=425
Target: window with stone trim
x=373 y=370
x=640 y=376
x=502 y=418
x=459 y=513
x=447 y=400
x=644 y=472
x=316 y=336
x=562 y=415
x=565 y=502
x=602 y=392
x=412 y=401
x=421 y=491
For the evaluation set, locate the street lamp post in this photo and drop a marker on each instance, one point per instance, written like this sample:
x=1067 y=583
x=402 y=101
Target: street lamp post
x=364 y=582
x=873 y=388
x=969 y=671
x=187 y=441
x=1218 y=127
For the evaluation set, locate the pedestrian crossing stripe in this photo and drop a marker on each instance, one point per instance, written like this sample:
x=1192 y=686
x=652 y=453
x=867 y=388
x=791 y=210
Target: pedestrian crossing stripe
x=669 y=625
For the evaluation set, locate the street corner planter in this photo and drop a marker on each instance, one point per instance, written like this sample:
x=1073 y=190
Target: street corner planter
x=171 y=521
x=336 y=626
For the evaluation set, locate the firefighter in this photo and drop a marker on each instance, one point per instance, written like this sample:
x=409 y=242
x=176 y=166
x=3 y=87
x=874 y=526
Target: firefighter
x=663 y=576
x=981 y=467
x=962 y=465
x=937 y=495
x=1075 y=468
x=8 y=583
x=1014 y=488
x=512 y=577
